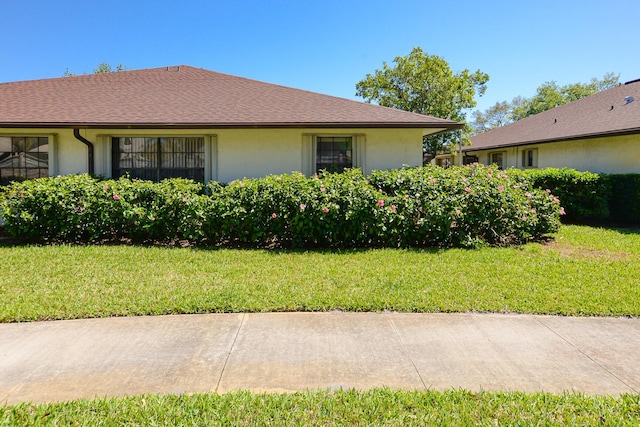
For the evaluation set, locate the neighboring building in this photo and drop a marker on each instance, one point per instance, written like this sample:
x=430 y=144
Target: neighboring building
x=598 y=133
x=188 y=122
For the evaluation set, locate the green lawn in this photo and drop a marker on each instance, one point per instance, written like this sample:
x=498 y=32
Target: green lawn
x=338 y=408
x=583 y=271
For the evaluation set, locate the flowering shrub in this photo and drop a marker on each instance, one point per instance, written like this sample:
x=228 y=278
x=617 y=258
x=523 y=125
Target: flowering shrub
x=79 y=208
x=464 y=207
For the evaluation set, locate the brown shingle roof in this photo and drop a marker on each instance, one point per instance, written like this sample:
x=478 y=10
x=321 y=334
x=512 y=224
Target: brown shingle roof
x=604 y=113
x=185 y=97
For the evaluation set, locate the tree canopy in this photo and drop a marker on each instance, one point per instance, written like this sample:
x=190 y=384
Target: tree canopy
x=101 y=68
x=548 y=95
x=425 y=84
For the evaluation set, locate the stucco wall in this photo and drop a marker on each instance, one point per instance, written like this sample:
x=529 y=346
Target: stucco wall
x=387 y=148
x=238 y=153
x=620 y=154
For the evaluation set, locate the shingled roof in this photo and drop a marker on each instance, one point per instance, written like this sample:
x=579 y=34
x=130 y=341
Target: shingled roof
x=188 y=97
x=615 y=111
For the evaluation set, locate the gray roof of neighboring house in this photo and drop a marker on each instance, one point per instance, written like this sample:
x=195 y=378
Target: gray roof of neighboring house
x=188 y=97
x=602 y=114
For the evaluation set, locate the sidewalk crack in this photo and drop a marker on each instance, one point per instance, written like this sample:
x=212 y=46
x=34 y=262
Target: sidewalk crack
x=539 y=320
x=405 y=351
x=226 y=360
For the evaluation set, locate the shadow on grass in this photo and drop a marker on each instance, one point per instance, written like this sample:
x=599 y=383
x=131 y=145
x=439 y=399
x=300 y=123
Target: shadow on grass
x=6 y=240
x=622 y=228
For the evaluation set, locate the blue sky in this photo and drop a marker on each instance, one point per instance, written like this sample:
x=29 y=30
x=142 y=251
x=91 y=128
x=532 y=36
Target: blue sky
x=326 y=46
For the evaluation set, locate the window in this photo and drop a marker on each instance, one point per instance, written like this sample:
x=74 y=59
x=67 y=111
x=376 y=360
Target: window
x=157 y=158
x=334 y=153
x=469 y=160
x=23 y=157
x=444 y=162
x=497 y=159
x=530 y=158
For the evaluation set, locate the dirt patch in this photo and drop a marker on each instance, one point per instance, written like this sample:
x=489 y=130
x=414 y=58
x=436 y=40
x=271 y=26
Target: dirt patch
x=569 y=251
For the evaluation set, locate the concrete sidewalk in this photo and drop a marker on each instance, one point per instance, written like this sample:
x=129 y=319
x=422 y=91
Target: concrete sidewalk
x=62 y=360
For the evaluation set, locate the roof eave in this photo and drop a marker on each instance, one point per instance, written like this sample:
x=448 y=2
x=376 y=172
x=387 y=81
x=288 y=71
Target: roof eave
x=550 y=140
x=247 y=125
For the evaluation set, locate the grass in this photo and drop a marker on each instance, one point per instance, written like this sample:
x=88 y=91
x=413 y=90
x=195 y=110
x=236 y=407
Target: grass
x=584 y=271
x=334 y=408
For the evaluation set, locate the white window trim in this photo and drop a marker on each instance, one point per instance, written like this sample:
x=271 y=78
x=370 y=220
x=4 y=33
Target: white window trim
x=309 y=150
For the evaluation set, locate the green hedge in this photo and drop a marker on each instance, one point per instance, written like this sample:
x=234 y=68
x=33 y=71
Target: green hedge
x=584 y=195
x=624 y=198
x=430 y=206
x=589 y=197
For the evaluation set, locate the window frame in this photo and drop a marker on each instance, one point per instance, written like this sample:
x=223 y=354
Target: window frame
x=209 y=153
x=490 y=160
x=525 y=158
x=309 y=151
x=334 y=167
x=52 y=159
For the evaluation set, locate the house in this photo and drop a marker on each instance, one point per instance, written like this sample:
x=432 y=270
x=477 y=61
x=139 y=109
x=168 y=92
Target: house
x=182 y=121
x=599 y=133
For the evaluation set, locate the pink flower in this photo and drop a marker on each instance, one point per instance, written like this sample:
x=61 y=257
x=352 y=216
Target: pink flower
x=528 y=195
x=116 y=197
x=524 y=217
x=500 y=188
x=562 y=212
x=490 y=175
x=393 y=208
x=533 y=210
x=325 y=209
x=419 y=208
x=273 y=215
x=303 y=206
x=380 y=203
x=465 y=180
x=105 y=188
x=432 y=181
x=184 y=199
x=458 y=212
x=323 y=189
x=467 y=189
x=315 y=176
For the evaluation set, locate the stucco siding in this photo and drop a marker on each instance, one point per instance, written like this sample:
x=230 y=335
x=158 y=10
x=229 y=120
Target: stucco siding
x=238 y=153
x=387 y=148
x=619 y=154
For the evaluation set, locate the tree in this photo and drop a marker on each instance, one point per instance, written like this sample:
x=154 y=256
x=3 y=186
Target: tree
x=498 y=115
x=425 y=84
x=101 y=68
x=548 y=95
x=106 y=68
